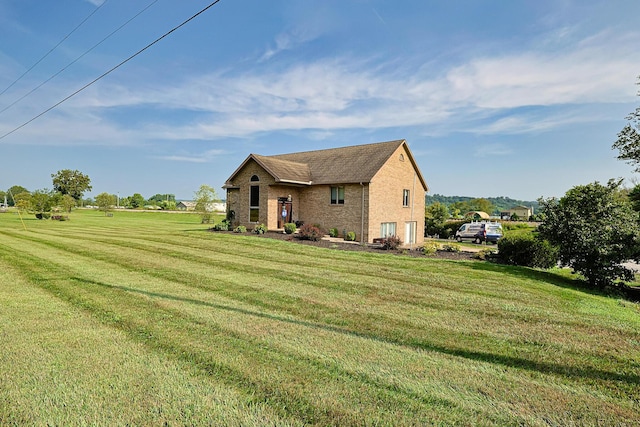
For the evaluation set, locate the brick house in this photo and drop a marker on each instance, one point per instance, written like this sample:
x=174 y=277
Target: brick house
x=374 y=190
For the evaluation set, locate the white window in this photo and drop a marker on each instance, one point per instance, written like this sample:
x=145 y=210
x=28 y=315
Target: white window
x=387 y=229
x=405 y=198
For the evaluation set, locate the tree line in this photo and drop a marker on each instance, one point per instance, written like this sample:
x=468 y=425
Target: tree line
x=69 y=187
x=491 y=205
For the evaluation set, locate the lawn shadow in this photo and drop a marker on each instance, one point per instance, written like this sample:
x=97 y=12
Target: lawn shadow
x=481 y=356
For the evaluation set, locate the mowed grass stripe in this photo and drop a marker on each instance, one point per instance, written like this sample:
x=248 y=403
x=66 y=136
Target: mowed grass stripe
x=371 y=326
x=163 y=328
x=523 y=383
x=77 y=371
x=146 y=334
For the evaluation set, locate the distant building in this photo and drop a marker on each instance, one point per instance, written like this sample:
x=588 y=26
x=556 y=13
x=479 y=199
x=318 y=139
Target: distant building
x=522 y=212
x=191 y=206
x=477 y=215
x=186 y=206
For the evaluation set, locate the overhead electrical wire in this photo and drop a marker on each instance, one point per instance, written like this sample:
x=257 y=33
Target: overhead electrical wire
x=53 y=48
x=78 y=58
x=111 y=70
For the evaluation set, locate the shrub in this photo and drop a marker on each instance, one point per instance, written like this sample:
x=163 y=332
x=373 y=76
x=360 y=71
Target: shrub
x=430 y=248
x=485 y=254
x=350 y=236
x=333 y=232
x=309 y=232
x=290 y=228
x=260 y=229
x=391 y=242
x=240 y=229
x=451 y=247
x=223 y=225
x=528 y=250
x=596 y=230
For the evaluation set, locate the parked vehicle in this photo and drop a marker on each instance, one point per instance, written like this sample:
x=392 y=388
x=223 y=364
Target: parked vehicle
x=480 y=232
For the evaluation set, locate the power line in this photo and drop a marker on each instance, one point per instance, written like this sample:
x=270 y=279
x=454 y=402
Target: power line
x=111 y=70
x=53 y=48
x=78 y=58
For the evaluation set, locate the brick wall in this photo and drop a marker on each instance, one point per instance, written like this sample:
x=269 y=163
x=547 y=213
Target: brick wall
x=316 y=208
x=387 y=187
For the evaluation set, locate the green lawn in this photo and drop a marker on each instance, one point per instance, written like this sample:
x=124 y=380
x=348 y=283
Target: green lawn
x=147 y=318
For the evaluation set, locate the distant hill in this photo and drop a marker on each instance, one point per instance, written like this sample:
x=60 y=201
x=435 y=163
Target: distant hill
x=500 y=203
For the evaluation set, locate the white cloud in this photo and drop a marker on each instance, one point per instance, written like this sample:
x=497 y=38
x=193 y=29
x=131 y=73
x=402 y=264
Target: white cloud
x=492 y=150
x=204 y=157
x=479 y=96
x=290 y=40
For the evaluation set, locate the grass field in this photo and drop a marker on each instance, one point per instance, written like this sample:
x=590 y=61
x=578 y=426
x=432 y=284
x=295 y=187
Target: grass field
x=147 y=318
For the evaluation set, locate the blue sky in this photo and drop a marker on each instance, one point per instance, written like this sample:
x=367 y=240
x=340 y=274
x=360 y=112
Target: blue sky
x=495 y=98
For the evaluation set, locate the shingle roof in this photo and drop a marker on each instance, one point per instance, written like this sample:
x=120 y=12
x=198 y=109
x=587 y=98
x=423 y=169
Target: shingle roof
x=357 y=163
x=353 y=164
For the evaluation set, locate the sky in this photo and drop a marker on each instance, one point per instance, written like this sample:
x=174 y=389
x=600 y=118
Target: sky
x=521 y=99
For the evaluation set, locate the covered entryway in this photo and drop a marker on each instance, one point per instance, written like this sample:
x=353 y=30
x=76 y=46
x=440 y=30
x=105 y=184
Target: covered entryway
x=285 y=211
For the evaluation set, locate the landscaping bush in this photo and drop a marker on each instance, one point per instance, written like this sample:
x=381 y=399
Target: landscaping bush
x=528 y=250
x=451 y=247
x=430 y=248
x=485 y=254
x=350 y=236
x=333 y=232
x=290 y=228
x=223 y=225
x=391 y=243
x=240 y=229
x=309 y=232
x=260 y=229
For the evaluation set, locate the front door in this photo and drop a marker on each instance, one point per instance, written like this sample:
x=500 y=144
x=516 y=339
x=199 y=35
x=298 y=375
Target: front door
x=284 y=212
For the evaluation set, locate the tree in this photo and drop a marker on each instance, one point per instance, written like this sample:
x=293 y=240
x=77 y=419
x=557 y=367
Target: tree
x=41 y=202
x=73 y=183
x=67 y=202
x=204 y=199
x=595 y=229
x=457 y=209
x=22 y=200
x=435 y=216
x=13 y=192
x=105 y=202
x=482 y=205
x=159 y=198
x=634 y=197
x=136 y=201
x=628 y=142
